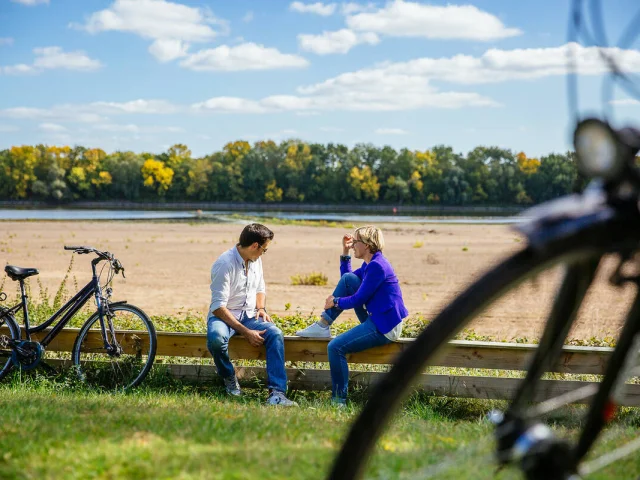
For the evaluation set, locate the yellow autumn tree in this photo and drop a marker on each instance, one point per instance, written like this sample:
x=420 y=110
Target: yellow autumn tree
x=157 y=176
x=238 y=149
x=20 y=169
x=273 y=193
x=87 y=176
x=528 y=166
x=364 y=183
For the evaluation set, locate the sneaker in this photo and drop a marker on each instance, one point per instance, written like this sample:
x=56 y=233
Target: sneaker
x=315 y=330
x=278 y=398
x=338 y=403
x=232 y=387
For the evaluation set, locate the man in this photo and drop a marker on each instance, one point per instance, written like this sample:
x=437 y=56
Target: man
x=238 y=299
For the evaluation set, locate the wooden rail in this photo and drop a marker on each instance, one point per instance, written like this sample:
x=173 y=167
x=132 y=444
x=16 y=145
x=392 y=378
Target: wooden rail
x=459 y=353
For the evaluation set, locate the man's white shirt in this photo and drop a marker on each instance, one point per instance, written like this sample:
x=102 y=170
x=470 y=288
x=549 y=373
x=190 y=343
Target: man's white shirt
x=234 y=288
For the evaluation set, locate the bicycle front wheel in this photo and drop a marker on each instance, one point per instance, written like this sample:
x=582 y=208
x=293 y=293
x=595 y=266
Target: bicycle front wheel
x=130 y=358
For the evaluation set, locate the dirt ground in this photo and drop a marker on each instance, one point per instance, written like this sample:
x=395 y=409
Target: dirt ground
x=168 y=265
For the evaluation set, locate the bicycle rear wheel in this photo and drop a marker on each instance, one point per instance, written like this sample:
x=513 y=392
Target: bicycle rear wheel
x=136 y=343
x=386 y=396
x=10 y=330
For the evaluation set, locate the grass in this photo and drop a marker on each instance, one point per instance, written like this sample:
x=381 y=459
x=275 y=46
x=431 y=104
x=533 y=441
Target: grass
x=55 y=427
x=174 y=430
x=313 y=278
x=288 y=221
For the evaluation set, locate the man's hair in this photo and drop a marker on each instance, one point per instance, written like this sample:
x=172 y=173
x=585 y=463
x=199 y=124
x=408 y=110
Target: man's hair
x=254 y=232
x=371 y=236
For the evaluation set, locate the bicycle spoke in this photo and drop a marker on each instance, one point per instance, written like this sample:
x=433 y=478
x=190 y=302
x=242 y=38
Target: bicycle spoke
x=560 y=401
x=619 y=453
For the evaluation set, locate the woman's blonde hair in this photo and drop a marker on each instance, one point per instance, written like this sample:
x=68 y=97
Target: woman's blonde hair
x=370 y=236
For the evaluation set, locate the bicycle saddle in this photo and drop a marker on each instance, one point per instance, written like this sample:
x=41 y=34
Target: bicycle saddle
x=19 y=273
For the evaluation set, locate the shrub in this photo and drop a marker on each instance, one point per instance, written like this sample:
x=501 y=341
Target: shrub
x=313 y=278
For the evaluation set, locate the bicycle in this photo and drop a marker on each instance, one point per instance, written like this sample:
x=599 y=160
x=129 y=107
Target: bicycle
x=115 y=347
x=575 y=231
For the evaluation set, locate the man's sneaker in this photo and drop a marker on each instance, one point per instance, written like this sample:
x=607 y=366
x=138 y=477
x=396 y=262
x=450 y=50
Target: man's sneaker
x=232 y=387
x=315 y=330
x=278 y=398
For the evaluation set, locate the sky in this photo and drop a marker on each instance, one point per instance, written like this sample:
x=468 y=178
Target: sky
x=143 y=75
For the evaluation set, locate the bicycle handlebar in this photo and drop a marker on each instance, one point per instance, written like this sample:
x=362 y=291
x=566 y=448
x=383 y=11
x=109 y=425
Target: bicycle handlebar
x=108 y=256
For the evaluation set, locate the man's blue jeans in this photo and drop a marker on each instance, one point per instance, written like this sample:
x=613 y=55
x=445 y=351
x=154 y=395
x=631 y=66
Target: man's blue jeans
x=359 y=338
x=219 y=333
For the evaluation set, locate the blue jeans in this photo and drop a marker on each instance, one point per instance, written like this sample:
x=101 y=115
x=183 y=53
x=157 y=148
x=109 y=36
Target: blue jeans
x=359 y=338
x=219 y=333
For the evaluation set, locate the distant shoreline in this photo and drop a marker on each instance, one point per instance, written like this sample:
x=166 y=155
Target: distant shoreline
x=435 y=210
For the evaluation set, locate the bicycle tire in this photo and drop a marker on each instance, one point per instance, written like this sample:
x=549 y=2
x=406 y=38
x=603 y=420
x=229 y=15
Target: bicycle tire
x=99 y=368
x=386 y=396
x=14 y=330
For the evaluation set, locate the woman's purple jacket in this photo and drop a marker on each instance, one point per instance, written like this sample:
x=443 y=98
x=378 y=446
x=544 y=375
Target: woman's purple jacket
x=379 y=292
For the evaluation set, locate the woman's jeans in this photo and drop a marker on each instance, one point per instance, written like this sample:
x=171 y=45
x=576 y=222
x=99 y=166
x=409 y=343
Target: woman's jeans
x=359 y=338
x=219 y=333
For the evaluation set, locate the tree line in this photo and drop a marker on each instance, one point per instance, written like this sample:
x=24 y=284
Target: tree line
x=292 y=171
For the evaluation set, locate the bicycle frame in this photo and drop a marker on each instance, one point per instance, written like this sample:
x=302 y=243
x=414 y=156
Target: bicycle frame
x=66 y=312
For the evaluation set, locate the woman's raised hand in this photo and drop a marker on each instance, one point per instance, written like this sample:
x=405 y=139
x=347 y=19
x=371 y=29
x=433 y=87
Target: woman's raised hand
x=347 y=243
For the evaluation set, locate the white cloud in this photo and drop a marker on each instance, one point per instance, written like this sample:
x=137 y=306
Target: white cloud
x=8 y=128
x=172 y=26
x=52 y=127
x=359 y=91
x=135 y=106
x=247 y=56
x=412 y=85
x=90 y=113
x=166 y=50
x=132 y=128
x=30 y=3
x=331 y=129
x=60 y=113
x=390 y=131
x=625 y=102
x=340 y=41
x=351 y=8
x=317 y=8
x=49 y=58
x=54 y=57
x=19 y=69
x=229 y=105
x=248 y=17
x=6 y=41
x=155 y=19
x=496 y=66
x=409 y=19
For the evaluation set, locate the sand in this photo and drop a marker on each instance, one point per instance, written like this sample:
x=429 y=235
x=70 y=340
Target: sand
x=168 y=264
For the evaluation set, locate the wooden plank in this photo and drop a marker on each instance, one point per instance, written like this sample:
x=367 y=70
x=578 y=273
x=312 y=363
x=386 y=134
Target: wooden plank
x=459 y=353
x=63 y=342
x=495 y=388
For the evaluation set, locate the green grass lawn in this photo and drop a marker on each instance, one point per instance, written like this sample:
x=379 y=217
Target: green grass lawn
x=57 y=429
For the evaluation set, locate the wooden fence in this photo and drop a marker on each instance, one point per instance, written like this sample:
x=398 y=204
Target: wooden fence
x=459 y=353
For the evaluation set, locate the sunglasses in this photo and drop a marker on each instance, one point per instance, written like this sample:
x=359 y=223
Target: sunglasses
x=264 y=250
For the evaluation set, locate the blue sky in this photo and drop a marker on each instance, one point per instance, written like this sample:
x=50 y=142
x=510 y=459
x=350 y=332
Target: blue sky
x=144 y=74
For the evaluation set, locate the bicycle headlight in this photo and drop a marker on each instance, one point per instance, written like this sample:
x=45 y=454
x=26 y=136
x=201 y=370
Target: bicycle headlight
x=598 y=149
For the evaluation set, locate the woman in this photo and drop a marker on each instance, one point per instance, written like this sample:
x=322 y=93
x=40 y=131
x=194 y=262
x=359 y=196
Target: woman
x=373 y=292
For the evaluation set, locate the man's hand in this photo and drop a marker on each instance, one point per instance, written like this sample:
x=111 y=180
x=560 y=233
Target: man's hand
x=262 y=314
x=254 y=337
x=328 y=303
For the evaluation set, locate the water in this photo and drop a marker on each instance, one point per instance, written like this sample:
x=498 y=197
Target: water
x=226 y=216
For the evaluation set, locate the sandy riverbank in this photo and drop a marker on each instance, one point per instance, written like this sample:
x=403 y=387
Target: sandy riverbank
x=168 y=264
